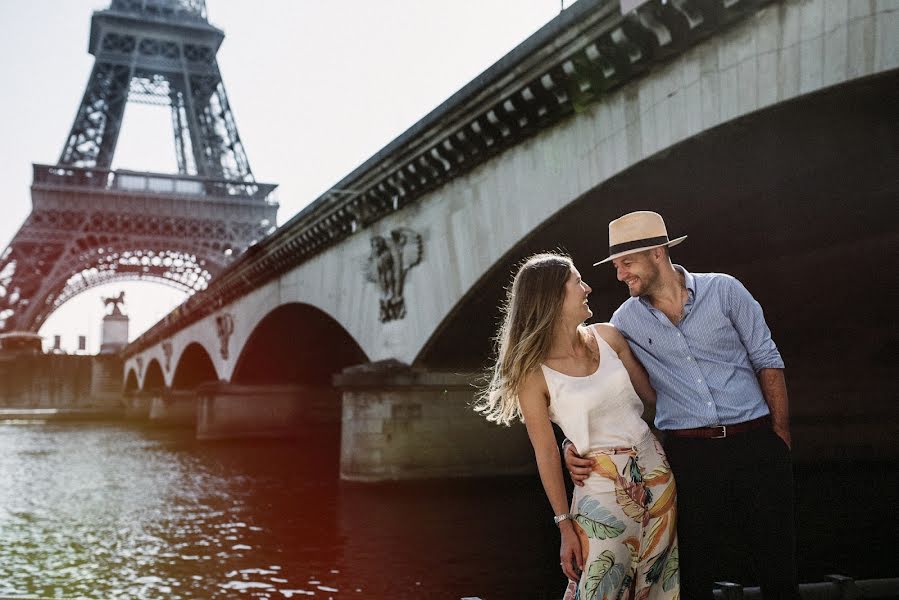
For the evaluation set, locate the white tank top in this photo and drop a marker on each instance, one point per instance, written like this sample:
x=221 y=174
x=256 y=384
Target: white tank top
x=597 y=411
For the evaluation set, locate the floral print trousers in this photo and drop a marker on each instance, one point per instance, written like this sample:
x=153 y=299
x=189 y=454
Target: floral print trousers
x=626 y=518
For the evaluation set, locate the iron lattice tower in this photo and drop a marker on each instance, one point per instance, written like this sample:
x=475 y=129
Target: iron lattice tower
x=89 y=224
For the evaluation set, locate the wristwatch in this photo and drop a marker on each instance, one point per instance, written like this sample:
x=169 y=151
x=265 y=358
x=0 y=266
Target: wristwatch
x=563 y=517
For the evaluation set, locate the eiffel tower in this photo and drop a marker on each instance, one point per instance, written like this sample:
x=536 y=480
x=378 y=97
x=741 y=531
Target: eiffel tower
x=89 y=224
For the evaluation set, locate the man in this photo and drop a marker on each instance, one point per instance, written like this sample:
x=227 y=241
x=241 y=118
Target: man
x=722 y=407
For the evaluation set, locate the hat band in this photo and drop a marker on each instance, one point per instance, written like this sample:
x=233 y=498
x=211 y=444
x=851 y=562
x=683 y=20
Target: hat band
x=653 y=241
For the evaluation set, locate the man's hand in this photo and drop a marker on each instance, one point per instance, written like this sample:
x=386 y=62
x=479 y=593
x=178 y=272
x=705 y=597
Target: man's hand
x=579 y=468
x=774 y=389
x=784 y=433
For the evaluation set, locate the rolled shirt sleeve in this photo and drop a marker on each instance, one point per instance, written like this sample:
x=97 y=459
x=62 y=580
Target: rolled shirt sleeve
x=749 y=320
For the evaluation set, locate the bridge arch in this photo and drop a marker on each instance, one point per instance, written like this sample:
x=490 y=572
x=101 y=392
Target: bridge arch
x=131 y=384
x=194 y=367
x=154 y=380
x=296 y=343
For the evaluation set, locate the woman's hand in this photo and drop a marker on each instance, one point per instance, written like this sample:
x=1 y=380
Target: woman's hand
x=533 y=397
x=570 y=553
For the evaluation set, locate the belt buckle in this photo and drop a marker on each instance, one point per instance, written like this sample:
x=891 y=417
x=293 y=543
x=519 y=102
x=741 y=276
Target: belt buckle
x=723 y=432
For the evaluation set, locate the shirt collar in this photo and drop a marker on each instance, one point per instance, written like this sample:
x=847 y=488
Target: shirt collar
x=689 y=280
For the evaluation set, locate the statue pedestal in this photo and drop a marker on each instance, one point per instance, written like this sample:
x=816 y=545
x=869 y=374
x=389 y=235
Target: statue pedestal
x=114 y=334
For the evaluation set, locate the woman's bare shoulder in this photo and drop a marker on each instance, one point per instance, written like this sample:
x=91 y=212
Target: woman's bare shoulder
x=534 y=380
x=533 y=385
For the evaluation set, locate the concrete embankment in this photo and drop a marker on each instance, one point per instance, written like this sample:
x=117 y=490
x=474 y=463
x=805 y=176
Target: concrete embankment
x=76 y=387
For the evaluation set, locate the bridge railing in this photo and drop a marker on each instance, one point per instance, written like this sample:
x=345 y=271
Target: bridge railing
x=148 y=183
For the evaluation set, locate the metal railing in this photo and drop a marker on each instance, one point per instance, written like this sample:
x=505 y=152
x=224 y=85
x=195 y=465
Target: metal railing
x=837 y=587
x=148 y=183
x=178 y=10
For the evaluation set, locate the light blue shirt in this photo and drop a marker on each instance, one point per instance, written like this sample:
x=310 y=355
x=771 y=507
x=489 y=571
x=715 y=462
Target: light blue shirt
x=704 y=368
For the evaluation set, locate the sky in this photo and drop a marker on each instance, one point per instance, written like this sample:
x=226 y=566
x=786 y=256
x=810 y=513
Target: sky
x=316 y=86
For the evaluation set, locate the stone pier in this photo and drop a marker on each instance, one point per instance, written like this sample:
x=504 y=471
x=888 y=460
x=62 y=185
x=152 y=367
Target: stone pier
x=174 y=408
x=137 y=405
x=227 y=411
x=404 y=423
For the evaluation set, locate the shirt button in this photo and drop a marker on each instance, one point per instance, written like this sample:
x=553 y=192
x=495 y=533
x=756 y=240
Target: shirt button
x=708 y=403
x=678 y=334
x=689 y=358
x=699 y=381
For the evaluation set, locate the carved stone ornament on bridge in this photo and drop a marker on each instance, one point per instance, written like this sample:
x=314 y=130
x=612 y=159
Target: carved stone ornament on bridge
x=224 y=327
x=388 y=263
x=140 y=363
x=167 y=353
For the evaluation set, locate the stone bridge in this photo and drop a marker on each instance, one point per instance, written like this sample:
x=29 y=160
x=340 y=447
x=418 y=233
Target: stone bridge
x=764 y=130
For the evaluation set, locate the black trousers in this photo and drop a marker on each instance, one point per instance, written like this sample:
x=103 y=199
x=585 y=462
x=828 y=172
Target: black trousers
x=735 y=513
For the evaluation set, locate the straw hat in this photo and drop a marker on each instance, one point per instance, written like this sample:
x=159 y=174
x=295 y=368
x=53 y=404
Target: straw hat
x=636 y=232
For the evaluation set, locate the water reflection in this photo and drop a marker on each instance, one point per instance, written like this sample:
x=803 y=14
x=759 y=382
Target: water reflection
x=119 y=512
x=108 y=511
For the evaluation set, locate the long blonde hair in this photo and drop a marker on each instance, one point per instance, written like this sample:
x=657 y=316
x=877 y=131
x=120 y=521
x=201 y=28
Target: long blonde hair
x=532 y=307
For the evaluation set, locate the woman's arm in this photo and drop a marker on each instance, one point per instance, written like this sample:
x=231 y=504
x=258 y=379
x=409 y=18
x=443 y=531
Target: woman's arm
x=638 y=375
x=533 y=400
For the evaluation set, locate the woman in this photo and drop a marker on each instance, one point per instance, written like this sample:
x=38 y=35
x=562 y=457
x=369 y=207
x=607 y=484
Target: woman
x=619 y=538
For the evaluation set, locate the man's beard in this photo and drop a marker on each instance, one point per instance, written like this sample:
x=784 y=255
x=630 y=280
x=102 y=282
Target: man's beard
x=647 y=283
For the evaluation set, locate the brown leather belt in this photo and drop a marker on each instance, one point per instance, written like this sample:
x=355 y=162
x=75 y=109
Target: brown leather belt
x=720 y=431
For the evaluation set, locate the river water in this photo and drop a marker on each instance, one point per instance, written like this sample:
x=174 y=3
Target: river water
x=113 y=511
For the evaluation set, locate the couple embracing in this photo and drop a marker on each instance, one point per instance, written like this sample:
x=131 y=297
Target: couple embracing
x=647 y=520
